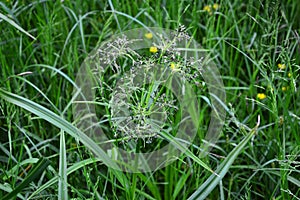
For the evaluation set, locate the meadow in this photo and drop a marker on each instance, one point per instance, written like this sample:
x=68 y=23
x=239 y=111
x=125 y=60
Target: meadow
x=47 y=151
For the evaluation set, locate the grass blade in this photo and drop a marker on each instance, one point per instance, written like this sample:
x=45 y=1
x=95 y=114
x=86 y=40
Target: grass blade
x=34 y=173
x=7 y=188
x=205 y=189
x=14 y=170
x=69 y=171
x=186 y=151
x=61 y=123
x=14 y=24
x=62 y=183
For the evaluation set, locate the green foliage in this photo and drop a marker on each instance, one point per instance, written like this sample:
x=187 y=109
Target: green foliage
x=255 y=45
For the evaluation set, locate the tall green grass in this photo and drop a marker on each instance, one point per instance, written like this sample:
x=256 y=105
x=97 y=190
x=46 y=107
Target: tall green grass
x=43 y=156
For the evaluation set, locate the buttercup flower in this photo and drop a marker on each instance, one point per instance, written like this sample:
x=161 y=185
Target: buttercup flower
x=261 y=96
x=149 y=35
x=153 y=49
x=283 y=88
x=207 y=8
x=289 y=74
x=281 y=66
x=174 y=67
x=216 y=6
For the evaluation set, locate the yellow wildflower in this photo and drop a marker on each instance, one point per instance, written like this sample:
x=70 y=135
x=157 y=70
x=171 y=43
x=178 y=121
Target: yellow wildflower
x=281 y=66
x=261 y=96
x=174 y=67
x=149 y=35
x=207 y=8
x=283 y=88
x=216 y=6
x=153 y=49
x=289 y=74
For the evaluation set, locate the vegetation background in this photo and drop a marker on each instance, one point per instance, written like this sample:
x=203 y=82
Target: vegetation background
x=256 y=46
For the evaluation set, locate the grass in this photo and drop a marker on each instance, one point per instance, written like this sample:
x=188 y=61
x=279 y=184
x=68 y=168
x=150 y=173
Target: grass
x=44 y=154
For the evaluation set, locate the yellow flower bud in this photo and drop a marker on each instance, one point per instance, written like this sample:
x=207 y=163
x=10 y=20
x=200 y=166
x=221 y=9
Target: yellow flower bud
x=153 y=49
x=149 y=35
x=261 y=96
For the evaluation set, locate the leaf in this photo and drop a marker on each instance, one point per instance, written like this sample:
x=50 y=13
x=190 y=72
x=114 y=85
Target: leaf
x=33 y=174
x=7 y=188
x=62 y=183
x=205 y=189
x=61 y=123
x=13 y=170
x=69 y=171
x=11 y=22
x=184 y=149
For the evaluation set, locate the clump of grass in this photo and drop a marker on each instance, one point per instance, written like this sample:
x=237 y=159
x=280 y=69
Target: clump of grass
x=42 y=45
x=136 y=95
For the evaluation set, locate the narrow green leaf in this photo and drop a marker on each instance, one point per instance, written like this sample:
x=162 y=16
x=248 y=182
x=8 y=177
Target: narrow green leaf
x=7 y=188
x=205 y=189
x=62 y=183
x=289 y=178
x=69 y=171
x=13 y=170
x=180 y=184
x=14 y=24
x=61 y=123
x=33 y=174
x=185 y=150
